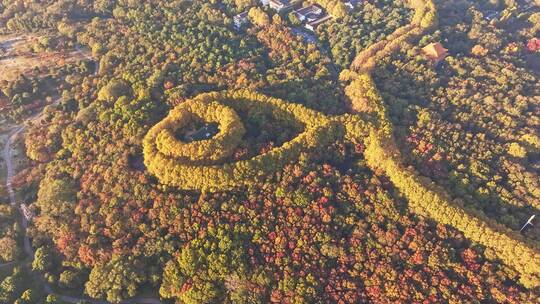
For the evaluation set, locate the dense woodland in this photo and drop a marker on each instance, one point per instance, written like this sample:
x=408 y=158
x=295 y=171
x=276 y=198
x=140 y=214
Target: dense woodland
x=472 y=122
x=323 y=228
x=362 y=28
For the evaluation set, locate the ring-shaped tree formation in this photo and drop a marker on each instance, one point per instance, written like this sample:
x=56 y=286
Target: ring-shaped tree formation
x=170 y=162
x=219 y=147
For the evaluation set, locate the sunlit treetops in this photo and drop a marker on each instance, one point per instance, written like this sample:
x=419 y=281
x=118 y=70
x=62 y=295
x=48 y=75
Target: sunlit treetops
x=205 y=164
x=425 y=198
x=218 y=148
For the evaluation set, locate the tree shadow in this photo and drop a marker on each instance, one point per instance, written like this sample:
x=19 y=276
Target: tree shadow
x=402 y=90
x=323 y=94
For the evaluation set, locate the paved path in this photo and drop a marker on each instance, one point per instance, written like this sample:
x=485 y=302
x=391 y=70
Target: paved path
x=6 y=264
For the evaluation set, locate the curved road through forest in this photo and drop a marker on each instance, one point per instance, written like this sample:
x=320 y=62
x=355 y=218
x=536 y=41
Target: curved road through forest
x=8 y=157
x=2 y=265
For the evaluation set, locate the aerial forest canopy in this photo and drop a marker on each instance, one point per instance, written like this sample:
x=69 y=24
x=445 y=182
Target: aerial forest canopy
x=227 y=151
x=205 y=165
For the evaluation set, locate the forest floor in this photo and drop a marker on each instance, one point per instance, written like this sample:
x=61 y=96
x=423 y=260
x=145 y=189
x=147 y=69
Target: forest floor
x=16 y=58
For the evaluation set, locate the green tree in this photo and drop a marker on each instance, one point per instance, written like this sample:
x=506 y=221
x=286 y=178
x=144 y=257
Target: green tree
x=52 y=299
x=30 y=296
x=516 y=150
x=72 y=279
x=114 y=89
x=56 y=198
x=207 y=268
x=9 y=249
x=43 y=260
x=241 y=5
x=258 y=16
x=116 y=280
x=12 y=286
x=294 y=19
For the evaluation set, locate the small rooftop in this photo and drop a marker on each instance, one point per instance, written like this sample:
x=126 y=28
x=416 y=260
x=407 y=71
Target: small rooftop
x=242 y=15
x=351 y=4
x=309 y=9
x=309 y=13
x=240 y=19
x=27 y=212
x=206 y=132
x=281 y=2
x=282 y=5
x=435 y=51
x=312 y=25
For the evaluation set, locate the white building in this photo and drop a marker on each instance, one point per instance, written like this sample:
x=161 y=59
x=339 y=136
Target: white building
x=282 y=5
x=312 y=25
x=352 y=4
x=27 y=212
x=240 y=19
x=309 y=13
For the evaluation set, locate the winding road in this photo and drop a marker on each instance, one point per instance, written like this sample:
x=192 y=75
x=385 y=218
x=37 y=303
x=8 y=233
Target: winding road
x=6 y=264
x=13 y=135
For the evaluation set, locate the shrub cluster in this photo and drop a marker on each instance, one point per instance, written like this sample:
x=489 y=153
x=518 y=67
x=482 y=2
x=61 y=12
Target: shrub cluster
x=425 y=13
x=336 y=9
x=356 y=127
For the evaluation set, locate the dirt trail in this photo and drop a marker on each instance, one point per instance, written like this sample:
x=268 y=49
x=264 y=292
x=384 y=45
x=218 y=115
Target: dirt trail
x=6 y=264
x=14 y=59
